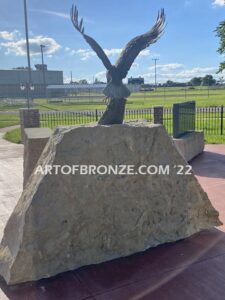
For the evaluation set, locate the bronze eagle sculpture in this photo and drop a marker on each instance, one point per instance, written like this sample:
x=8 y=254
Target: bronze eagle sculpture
x=115 y=90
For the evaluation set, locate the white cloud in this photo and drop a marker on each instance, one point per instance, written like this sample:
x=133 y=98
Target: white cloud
x=181 y=76
x=219 y=3
x=101 y=76
x=167 y=67
x=9 y=36
x=195 y=72
x=145 y=53
x=114 y=51
x=86 y=54
x=59 y=14
x=18 y=46
x=135 y=66
x=52 y=13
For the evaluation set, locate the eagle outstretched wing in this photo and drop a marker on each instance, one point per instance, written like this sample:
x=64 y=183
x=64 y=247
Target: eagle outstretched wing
x=132 y=49
x=139 y=43
x=94 y=45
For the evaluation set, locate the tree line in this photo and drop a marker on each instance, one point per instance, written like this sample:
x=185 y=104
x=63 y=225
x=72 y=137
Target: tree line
x=207 y=80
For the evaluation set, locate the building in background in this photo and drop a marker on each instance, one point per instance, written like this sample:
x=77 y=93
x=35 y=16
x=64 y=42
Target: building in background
x=135 y=84
x=85 y=91
x=41 y=67
x=12 y=80
x=72 y=90
x=136 y=81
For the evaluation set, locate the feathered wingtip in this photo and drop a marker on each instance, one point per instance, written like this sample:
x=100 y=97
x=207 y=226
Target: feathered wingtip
x=74 y=15
x=161 y=19
x=159 y=27
x=161 y=15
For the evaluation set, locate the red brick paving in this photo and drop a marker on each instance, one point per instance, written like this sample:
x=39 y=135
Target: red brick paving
x=191 y=269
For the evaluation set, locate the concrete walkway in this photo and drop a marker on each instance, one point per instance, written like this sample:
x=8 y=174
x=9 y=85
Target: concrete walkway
x=11 y=171
x=191 y=269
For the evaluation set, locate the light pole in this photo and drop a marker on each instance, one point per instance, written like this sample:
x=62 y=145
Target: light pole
x=155 y=60
x=43 y=69
x=28 y=55
x=208 y=87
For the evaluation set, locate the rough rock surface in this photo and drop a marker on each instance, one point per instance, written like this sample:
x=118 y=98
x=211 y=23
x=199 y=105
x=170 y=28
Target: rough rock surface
x=64 y=222
x=190 y=145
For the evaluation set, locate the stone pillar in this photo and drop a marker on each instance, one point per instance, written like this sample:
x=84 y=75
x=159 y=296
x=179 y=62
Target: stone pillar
x=158 y=114
x=35 y=140
x=29 y=118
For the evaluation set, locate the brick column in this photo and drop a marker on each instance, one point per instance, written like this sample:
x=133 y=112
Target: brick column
x=29 y=118
x=158 y=114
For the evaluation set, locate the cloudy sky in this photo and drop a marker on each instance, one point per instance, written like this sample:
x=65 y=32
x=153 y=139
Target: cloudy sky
x=187 y=49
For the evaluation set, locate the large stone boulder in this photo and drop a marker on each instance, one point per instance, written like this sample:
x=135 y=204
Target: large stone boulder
x=62 y=222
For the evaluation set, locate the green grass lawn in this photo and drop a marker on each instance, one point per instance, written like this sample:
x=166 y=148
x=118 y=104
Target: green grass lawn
x=215 y=139
x=136 y=101
x=8 y=107
x=13 y=136
x=162 y=96
x=9 y=120
x=166 y=97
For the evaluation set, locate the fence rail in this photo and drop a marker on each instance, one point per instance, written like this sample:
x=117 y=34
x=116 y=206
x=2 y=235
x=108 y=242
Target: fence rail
x=209 y=119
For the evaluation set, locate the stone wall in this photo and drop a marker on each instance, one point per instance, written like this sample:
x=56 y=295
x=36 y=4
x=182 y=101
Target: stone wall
x=35 y=140
x=190 y=145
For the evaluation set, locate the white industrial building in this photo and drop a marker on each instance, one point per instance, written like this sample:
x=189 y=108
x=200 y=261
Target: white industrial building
x=12 y=80
x=54 y=91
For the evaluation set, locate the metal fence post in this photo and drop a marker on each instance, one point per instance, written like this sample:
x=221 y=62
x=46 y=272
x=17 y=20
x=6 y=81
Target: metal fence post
x=96 y=115
x=221 y=128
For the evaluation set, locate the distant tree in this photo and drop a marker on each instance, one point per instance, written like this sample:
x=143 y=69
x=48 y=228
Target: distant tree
x=220 y=31
x=83 y=81
x=196 y=81
x=169 y=83
x=208 y=80
x=97 y=81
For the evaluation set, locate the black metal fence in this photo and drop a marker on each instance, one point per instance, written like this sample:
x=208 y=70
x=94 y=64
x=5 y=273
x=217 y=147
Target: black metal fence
x=209 y=119
x=60 y=118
